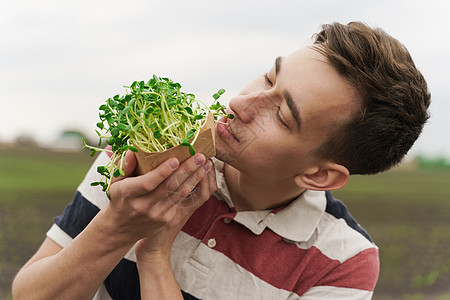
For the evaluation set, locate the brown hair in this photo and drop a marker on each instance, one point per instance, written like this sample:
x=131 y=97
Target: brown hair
x=394 y=96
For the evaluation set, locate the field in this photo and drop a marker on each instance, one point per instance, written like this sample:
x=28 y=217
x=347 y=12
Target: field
x=407 y=213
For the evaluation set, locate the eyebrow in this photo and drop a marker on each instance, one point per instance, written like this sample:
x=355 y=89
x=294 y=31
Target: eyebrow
x=287 y=96
x=277 y=65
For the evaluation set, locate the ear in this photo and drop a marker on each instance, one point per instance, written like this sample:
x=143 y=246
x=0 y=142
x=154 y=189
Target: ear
x=329 y=177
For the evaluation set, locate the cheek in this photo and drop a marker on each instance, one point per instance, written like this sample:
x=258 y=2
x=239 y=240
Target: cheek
x=264 y=123
x=278 y=149
x=262 y=137
x=267 y=146
x=271 y=161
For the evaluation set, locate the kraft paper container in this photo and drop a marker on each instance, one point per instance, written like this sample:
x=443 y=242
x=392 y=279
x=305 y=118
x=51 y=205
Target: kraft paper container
x=204 y=144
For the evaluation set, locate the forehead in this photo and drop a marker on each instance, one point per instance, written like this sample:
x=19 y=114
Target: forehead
x=316 y=87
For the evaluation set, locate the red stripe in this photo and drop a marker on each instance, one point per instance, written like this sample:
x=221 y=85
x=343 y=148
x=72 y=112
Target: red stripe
x=203 y=217
x=358 y=272
x=269 y=257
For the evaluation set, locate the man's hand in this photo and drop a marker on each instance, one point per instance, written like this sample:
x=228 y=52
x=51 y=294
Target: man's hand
x=154 y=207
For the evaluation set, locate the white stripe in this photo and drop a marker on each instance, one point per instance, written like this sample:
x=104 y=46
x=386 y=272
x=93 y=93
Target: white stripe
x=307 y=209
x=94 y=194
x=335 y=239
x=102 y=294
x=56 y=234
x=131 y=256
x=91 y=194
x=209 y=274
x=335 y=293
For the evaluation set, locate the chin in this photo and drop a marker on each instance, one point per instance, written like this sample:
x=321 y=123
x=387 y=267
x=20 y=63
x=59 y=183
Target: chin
x=225 y=156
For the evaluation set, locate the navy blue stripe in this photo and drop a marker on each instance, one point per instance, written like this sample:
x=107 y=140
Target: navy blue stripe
x=338 y=209
x=76 y=215
x=123 y=282
x=187 y=296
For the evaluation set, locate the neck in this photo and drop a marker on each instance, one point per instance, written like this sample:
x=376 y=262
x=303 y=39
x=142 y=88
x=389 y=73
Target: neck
x=249 y=194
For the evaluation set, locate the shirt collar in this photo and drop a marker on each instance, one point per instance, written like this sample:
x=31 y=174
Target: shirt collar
x=296 y=222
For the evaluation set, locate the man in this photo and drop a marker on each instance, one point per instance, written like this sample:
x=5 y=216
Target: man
x=352 y=103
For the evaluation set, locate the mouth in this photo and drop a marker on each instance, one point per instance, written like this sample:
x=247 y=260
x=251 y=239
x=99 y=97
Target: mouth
x=224 y=130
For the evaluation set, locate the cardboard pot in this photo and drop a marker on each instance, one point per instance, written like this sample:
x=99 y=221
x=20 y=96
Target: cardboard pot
x=204 y=144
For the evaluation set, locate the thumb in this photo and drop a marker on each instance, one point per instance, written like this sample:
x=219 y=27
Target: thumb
x=128 y=166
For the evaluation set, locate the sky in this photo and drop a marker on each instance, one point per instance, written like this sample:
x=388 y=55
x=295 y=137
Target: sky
x=60 y=60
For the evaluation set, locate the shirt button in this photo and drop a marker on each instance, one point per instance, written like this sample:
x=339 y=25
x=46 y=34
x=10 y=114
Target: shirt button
x=227 y=220
x=212 y=243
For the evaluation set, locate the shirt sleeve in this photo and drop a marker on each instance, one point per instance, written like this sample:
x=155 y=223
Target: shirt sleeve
x=85 y=205
x=353 y=279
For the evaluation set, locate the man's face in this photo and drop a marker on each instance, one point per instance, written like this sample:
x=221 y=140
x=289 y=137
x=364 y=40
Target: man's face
x=282 y=116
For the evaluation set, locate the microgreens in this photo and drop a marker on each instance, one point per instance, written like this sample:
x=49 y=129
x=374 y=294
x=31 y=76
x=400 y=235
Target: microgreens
x=153 y=116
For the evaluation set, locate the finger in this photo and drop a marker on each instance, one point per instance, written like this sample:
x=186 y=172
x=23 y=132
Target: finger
x=211 y=184
x=128 y=166
x=212 y=180
x=187 y=187
x=192 y=199
x=185 y=170
x=144 y=184
x=204 y=190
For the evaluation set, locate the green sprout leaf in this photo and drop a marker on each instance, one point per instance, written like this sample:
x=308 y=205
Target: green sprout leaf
x=123 y=127
x=115 y=132
x=131 y=148
x=111 y=141
x=191 y=150
x=190 y=133
x=157 y=134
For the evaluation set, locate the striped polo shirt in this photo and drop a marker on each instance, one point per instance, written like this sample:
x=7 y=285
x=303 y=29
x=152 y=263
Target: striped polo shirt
x=311 y=248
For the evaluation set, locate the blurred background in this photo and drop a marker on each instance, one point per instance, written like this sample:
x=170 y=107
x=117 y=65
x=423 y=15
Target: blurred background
x=59 y=61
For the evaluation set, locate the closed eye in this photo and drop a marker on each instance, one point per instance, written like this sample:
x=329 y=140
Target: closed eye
x=278 y=116
x=266 y=77
x=280 y=119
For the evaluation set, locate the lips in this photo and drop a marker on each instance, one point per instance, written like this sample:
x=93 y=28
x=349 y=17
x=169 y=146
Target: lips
x=224 y=130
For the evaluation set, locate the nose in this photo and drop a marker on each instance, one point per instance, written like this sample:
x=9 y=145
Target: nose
x=247 y=107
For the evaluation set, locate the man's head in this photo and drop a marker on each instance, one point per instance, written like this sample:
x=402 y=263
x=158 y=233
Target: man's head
x=324 y=111
x=393 y=93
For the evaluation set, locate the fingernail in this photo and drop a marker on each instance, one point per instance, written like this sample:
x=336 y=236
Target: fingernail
x=207 y=166
x=173 y=163
x=199 y=159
